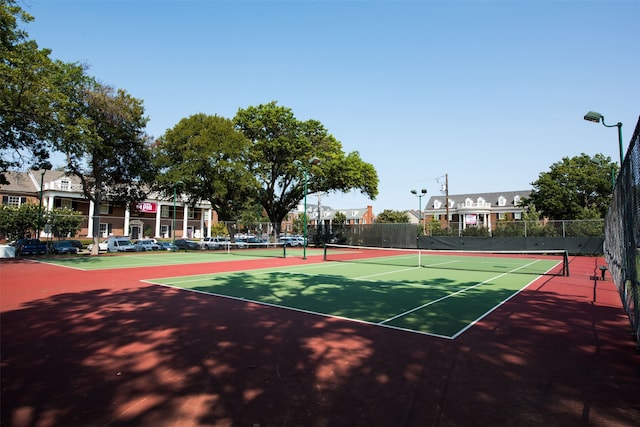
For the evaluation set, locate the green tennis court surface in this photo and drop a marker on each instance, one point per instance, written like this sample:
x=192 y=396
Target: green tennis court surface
x=431 y=300
x=151 y=259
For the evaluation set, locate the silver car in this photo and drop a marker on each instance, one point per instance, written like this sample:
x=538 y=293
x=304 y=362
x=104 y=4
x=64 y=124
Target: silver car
x=146 y=245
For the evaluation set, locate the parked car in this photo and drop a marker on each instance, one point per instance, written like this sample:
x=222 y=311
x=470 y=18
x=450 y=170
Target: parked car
x=76 y=244
x=30 y=247
x=120 y=244
x=146 y=245
x=292 y=240
x=187 y=244
x=167 y=246
x=257 y=242
x=102 y=246
x=63 y=247
x=218 y=242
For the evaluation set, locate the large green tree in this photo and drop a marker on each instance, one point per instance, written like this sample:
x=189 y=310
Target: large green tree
x=107 y=148
x=208 y=157
x=32 y=96
x=574 y=186
x=278 y=139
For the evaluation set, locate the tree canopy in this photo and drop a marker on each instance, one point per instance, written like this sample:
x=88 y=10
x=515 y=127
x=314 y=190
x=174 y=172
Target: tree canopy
x=277 y=140
x=110 y=153
x=208 y=158
x=391 y=216
x=577 y=187
x=31 y=95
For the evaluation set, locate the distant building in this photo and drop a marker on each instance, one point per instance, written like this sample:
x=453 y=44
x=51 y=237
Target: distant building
x=476 y=209
x=154 y=217
x=326 y=215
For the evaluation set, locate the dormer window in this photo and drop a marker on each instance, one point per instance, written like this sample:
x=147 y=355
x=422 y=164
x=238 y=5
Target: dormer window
x=468 y=202
x=64 y=185
x=516 y=200
x=480 y=201
x=437 y=204
x=502 y=201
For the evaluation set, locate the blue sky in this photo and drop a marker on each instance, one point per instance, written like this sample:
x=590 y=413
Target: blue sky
x=491 y=93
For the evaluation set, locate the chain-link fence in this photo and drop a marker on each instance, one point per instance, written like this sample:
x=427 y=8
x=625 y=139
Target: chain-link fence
x=622 y=233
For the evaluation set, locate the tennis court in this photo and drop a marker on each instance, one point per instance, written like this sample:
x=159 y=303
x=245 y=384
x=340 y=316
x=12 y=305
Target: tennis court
x=441 y=295
x=151 y=259
x=101 y=346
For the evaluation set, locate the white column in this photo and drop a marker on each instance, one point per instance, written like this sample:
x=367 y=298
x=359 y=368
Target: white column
x=158 y=209
x=127 y=217
x=185 y=218
x=90 y=223
x=202 y=223
x=49 y=205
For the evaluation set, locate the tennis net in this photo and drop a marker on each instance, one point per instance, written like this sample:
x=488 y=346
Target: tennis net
x=547 y=262
x=258 y=250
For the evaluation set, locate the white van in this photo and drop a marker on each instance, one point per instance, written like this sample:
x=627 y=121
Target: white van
x=120 y=244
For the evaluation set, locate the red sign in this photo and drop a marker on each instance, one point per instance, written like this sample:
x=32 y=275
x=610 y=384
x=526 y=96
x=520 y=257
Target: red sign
x=146 y=207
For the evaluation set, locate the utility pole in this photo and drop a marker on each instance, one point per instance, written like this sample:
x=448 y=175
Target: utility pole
x=446 y=195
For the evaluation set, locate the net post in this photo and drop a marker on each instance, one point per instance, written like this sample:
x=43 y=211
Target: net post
x=565 y=263
x=324 y=252
x=284 y=250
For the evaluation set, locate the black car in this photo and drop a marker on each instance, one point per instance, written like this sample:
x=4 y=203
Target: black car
x=63 y=247
x=186 y=244
x=30 y=247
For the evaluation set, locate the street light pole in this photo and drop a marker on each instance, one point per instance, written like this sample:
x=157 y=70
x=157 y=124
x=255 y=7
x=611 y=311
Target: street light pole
x=592 y=116
x=44 y=167
x=305 y=177
x=419 y=196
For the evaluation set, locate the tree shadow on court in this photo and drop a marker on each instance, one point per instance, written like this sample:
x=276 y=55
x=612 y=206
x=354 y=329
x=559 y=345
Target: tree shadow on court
x=155 y=356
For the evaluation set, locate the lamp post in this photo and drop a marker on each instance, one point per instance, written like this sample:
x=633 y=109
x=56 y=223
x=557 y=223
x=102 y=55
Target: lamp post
x=44 y=167
x=305 y=177
x=419 y=196
x=592 y=116
x=173 y=226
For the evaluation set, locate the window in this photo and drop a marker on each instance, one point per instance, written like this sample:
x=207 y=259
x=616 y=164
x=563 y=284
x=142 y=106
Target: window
x=517 y=215
x=502 y=216
x=191 y=213
x=164 y=211
x=13 y=200
x=437 y=204
x=104 y=209
x=105 y=229
x=468 y=202
x=502 y=201
x=66 y=203
x=64 y=185
x=480 y=201
x=516 y=200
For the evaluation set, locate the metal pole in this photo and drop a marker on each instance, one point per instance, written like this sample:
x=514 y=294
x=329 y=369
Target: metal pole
x=40 y=204
x=304 y=216
x=421 y=214
x=173 y=227
x=619 y=125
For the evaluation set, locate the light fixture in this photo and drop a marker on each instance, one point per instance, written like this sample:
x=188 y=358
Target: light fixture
x=419 y=196
x=594 y=117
